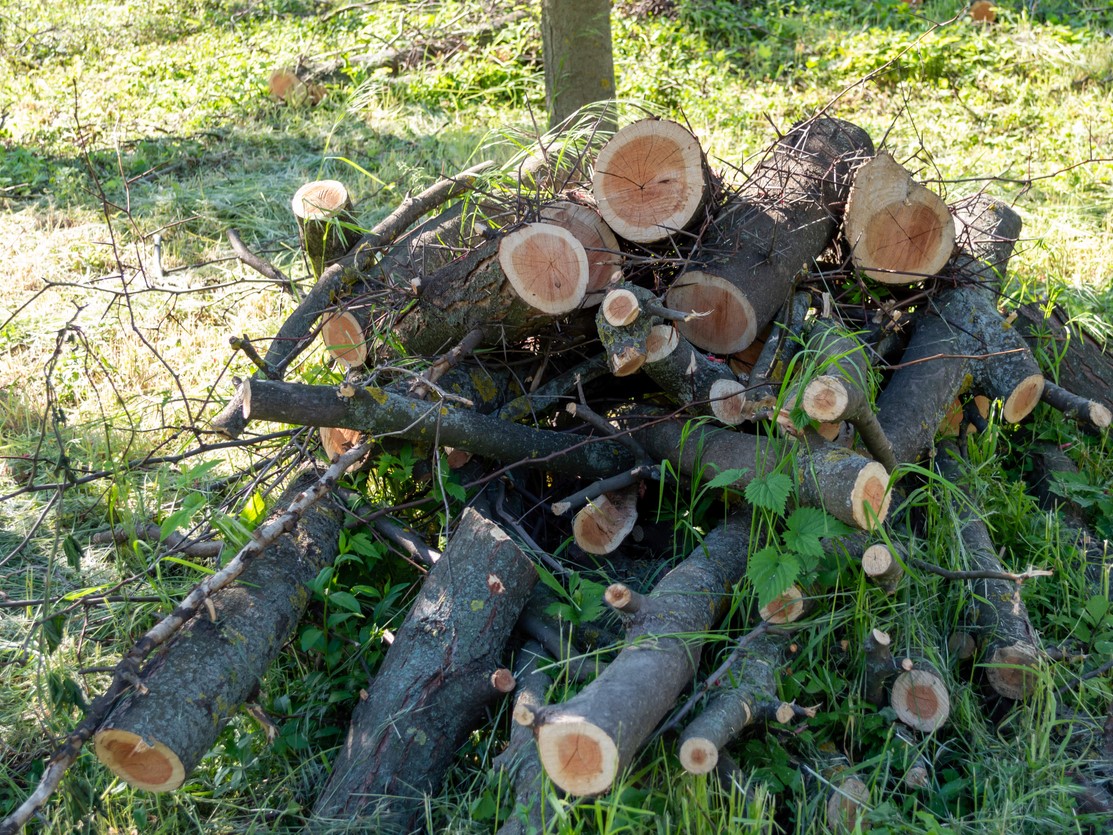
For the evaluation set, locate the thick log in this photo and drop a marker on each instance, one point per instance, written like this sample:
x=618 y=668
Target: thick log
x=784 y=217
x=748 y=697
x=379 y=411
x=851 y=488
x=899 y=231
x=326 y=226
x=435 y=681
x=961 y=341
x=1010 y=646
x=585 y=742
x=158 y=733
x=651 y=181
x=920 y=699
x=604 y=259
x=511 y=288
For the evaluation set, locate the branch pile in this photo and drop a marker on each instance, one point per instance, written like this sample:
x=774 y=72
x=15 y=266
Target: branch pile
x=697 y=331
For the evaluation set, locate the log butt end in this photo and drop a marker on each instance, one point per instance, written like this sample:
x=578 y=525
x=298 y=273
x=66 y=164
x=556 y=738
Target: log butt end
x=1012 y=673
x=698 y=755
x=921 y=700
x=728 y=401
x=730 y=324
x=870 y=496
x=547 y=267
x=1023 y=399
x=662 y=341
x=579 y=756
x=343 y=337
x=787 y=607
x=1100 y=416
x=825 y=399
x=140 y=764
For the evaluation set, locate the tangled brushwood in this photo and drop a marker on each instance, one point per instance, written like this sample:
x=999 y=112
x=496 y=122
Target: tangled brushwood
x=608 y=322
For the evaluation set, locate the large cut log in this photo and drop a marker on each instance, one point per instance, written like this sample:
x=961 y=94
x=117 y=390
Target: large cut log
x=651 y=181
x=435 y=681
x=585 y=743
x=785 y=216
x=326 y=225
x=579 y=216
x=748 y=696
x=1010 y=646
x=511 y=287
x=899 y=231
x=962 y=340
x=158 y=733
x=851 y=488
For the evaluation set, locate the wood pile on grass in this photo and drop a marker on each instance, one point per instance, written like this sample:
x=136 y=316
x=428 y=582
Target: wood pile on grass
x=614 y=322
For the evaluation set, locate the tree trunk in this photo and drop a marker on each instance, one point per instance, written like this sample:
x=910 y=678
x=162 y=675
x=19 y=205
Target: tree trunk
x=435 y=682
x=585 y=742
x=576 y=46
x=784 y=217
x=157 y=734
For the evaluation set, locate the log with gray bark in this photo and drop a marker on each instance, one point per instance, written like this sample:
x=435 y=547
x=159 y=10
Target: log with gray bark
x=435 y=682
x=585 y=742
x=785 y=216
x=157 y=734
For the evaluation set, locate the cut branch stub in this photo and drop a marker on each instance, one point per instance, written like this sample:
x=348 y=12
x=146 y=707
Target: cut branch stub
x=604 y=259
x=920 y=699
x=323 y=212
x=900 y=232
x=603 y=523
x=882 y=567
x=547 y=267
x=786 y=607
x=650 y=180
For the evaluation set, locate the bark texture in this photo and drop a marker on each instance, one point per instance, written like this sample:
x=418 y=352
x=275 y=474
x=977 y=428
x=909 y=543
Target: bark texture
x=156 y=735
x=585 y=742
x=435 y=682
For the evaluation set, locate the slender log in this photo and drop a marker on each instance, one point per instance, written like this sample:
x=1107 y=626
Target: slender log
x=651 y=181
x=786 y=607
x=156 y=735
x=1074 y=406
x=326 y=226
x=519 y=760
x=1010 y=646
x=899 y=231
x=434 y=683
x=585 y=742
x=1083 y=365
x=882 y=567
x=750 y=697
x=784 y=217
x=626 y=344
x=174 y=543
x=850 y=487
x=963 y=340
x=880 y=666
x=378 y=411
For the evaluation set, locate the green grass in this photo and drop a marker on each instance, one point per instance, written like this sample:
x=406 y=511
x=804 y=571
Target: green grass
x=123 y=125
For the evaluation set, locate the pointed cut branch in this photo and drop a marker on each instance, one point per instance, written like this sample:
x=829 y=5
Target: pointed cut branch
x=899 y=231
x=435 y=682
x=650 y=181
x=784 y=217
x=585 y=742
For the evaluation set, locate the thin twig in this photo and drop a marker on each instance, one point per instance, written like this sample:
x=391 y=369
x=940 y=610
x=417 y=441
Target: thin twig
x=261 y=265
x=948 y=574
x=242 y=343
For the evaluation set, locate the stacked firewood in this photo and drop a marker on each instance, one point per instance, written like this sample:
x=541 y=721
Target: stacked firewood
x=573 y=326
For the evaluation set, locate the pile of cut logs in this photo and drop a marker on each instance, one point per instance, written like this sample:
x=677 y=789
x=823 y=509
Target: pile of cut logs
x=570 y=330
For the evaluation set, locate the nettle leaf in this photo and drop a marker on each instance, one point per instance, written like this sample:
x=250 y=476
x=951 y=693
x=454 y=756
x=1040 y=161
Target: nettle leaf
x=806 y=527
x=770 y=492
x=726 y=478
x=771 y=572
